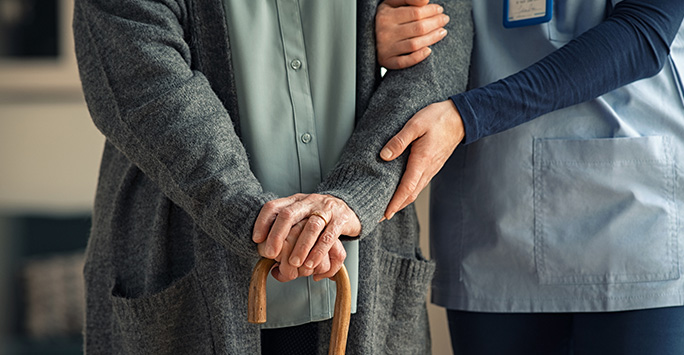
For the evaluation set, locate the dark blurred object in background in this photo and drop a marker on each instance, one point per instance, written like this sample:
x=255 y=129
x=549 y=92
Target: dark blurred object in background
x=43 y=284
x=29 y=29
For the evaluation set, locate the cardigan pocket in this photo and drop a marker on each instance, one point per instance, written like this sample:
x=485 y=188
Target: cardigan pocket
x=605 y=210
x=401 y=301
x=173 y=321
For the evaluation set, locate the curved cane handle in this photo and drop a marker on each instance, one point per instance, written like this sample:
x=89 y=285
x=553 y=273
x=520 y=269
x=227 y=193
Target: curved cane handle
x=256 y=312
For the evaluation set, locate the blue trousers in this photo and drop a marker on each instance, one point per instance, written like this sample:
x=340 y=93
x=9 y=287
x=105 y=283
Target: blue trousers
x=657 y=331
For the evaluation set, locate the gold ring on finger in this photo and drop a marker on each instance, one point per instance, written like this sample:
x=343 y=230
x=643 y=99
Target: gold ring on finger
x=319 y=214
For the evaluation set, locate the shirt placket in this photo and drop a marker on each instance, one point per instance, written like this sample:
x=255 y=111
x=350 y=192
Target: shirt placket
x=306 y=141
x=300 y=93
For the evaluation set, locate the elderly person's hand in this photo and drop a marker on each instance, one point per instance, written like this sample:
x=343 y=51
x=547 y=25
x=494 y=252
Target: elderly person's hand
x=404 y=30
x=302 y=233
x=433 y=133
x=329 y=266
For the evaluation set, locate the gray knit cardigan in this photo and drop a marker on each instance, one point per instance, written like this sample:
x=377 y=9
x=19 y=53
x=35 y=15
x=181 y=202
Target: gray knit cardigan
x=170 y=255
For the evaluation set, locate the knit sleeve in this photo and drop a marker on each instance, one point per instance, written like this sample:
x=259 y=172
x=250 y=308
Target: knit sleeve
x=631 y=44
x=363 y=180
x=143 y=95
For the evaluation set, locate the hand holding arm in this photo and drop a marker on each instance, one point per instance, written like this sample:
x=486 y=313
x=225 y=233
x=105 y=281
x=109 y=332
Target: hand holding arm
x=433 y=133
x=405 y=29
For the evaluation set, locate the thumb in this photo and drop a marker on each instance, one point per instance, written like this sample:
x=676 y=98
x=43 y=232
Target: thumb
x=397 y=3
x=397 y=144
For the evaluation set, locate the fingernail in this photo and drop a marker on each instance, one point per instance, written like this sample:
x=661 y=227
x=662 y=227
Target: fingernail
x=428 y=50
x=294 y=261
x=440 y=9
x=382 y=219
x=385 y=153
x=309 y=264
x=390 y=216
x=442 y=32
x=447 y=18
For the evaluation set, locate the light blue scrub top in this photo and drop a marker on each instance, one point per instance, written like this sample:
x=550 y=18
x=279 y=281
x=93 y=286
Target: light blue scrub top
x=295 y=69
x=575 y=211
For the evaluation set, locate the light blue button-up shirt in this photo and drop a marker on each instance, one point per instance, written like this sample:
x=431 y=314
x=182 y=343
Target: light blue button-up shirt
x=294 y=64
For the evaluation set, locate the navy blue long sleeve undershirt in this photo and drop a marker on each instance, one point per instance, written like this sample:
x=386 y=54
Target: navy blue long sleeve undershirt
x=631 y=44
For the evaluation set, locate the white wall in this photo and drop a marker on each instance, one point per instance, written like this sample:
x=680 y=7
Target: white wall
x=49 y=156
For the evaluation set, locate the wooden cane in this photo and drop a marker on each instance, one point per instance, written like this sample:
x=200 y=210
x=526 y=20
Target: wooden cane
x=256 y=312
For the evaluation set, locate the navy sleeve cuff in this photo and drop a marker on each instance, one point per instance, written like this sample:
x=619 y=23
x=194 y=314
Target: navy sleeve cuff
x=469 y=118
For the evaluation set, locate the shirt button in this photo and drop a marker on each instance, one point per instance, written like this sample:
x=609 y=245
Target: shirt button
x=306 y=138
x=296 y=64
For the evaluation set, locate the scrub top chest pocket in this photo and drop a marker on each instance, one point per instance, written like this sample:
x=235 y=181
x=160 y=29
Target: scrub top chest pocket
x=571 y=18
x=605 y=210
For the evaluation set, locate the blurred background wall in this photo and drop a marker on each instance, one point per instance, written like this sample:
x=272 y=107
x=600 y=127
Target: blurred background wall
x=49 y=158
x=49 y=154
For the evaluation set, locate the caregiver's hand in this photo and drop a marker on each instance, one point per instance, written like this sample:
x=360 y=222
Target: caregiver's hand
x=282 y=233
x=433 y=132
x=404 y=30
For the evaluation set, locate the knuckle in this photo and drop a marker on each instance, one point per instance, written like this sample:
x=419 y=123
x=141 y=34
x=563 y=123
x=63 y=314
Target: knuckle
x=287 y=213
x=318 y=253
x=419 y=124
x=415 y=12
x=413 y=124
x=270 y=205
x=422 y=156
x=316 y=223
x=416 y=56
x=341 y=253
x=383 y=10
x=413 y=44
x=411 y=186
x=327 y=238
x=394 y=63
x=330 y=203
x=403 y=189
x=420 y=28
x=398 y=142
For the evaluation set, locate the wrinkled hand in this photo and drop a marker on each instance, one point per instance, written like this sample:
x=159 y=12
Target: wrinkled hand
x=302 y=233
x=330 y=264
x=404 y=30
x=433 y=132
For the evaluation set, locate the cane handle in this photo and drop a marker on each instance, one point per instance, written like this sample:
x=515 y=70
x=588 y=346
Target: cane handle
x=256 y=312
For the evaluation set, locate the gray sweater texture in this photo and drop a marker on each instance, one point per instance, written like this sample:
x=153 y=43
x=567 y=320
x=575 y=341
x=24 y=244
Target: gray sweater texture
x=170 y=254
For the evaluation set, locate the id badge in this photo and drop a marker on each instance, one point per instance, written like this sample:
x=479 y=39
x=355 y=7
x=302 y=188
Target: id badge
x=518 y=13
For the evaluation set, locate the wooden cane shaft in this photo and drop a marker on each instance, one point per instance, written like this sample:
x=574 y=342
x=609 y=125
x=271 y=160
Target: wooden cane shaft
x=256 y=311
x=342 y=315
